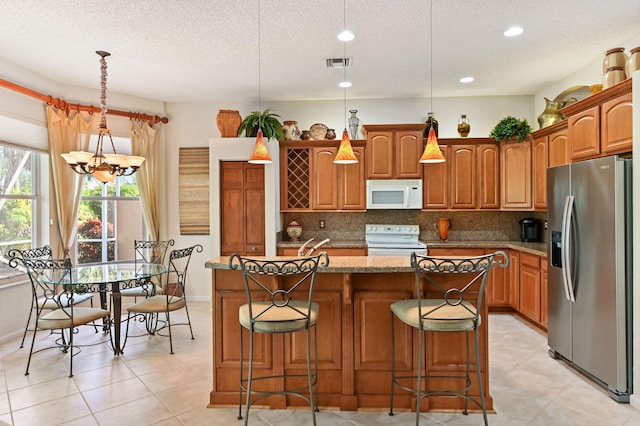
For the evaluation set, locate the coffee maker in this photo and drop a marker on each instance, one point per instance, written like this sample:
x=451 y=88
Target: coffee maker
x=529 y=230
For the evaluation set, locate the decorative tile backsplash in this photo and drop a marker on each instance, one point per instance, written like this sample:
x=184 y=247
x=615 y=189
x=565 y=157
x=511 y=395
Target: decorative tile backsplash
x=465 y=225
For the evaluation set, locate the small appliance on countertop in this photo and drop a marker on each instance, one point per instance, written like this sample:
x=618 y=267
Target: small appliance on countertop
x=530 y=230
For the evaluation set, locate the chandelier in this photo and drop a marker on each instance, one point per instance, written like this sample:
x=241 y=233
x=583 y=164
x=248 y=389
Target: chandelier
x=103 y=167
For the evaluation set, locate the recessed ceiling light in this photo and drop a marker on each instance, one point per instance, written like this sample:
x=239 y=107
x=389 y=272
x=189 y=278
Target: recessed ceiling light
x=345 y=84
x=346 y=35
x=468 y=79
x=513 y=31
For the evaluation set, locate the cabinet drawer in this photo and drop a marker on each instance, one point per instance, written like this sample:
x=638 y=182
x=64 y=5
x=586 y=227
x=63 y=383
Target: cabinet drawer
x=529 y=259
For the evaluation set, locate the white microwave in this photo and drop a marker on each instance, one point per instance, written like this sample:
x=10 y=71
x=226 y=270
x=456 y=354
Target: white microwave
x=394 y=194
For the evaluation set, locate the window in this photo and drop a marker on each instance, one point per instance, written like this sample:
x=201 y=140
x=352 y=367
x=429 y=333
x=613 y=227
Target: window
x=109 y=218
x=116 y=204
x=18 y=202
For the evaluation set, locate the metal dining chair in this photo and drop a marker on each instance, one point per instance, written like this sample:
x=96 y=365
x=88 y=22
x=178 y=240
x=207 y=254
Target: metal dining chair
x=450 y=292
x=173 y=297
x=148 y=251
x=279 y=300
x=39 y=304
x=50 y=284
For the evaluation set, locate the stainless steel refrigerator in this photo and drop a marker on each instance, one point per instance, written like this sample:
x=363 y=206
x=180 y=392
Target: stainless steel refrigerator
x=590 y=270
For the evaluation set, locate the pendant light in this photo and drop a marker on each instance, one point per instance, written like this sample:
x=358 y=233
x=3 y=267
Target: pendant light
x=345 y=153
x=260 y=153
x=103 y=167
x=432 y=153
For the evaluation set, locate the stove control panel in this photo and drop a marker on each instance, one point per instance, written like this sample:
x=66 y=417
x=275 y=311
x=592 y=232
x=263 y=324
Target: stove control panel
x=393 y=229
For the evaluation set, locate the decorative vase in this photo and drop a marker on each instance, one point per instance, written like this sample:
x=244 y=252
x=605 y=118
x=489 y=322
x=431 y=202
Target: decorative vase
x=442 y=228
x=353 y=124
x=633 y=63
x=228 y=121
x=431 y=121
x=305 y=135
x=614 y=58
x=613 y=76
x=290 y=130
x=331 y=134
x=463 y=126
x=294 y=231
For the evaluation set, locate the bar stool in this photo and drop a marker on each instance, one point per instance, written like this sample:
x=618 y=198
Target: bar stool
x=444 y=304
x=279 y=300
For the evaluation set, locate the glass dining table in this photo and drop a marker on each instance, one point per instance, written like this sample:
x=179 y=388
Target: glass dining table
x=111 y=277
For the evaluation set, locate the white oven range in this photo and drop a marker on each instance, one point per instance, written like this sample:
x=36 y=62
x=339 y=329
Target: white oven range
x=394 y=240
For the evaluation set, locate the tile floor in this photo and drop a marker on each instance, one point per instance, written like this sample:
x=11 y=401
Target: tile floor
x=148 y=386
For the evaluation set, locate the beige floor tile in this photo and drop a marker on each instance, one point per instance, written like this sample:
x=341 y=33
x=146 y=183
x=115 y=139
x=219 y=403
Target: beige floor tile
x=5 y=420
x=43 y=392
x=4 y=403
x=82 y=421
x=91 y=379
x=145 y=411
x=187 y=397
x=112 y=395
x=53 y=412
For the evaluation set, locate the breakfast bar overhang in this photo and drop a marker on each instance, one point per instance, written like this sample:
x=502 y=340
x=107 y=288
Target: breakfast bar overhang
x=354 y=339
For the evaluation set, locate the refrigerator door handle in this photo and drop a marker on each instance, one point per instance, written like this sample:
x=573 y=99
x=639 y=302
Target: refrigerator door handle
x=566 y=248
x=563 y=245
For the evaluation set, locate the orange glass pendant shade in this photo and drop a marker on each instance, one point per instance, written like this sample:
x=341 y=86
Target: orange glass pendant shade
x=432 y=153
x=345 y=153
x=260 y=154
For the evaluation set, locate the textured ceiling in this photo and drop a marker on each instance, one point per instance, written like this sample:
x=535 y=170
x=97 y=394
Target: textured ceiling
x=208 y=50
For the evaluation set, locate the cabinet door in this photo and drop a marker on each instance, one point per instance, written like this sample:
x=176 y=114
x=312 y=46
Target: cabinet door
x=242 y=208
x=352 y=184
x=324 y=179
x=544 y=293
x=435 y=184
x=540 y=155
x=530 y=286
x=584 y=134
x=463 y=176
x=407 y=153
x=558 y=148
x=380 y=155
x=489 y=176
x=514 y=279
x=497 y=286
x=617 y=132
x=515 y=174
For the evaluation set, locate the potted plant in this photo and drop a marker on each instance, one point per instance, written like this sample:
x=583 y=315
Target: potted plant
x=266 y=120
x=509 y=128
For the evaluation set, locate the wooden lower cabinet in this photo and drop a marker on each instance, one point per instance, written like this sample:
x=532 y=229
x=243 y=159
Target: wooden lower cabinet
x=354 y=345
x=544 y=293
x=514 y=279
x=530 y=286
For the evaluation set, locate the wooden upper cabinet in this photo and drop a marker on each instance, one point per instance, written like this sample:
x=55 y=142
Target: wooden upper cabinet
x=337 y=186
x=295 y=178
x=352 y=184
x=584 y=134
x=616 y=130
x=463 y=176
x=379 y=155
x=540 y=163
x=515 y=171
x=393 y=151
x=324 y=179
x=601 y=124
x=488 y=156
x=435 y=183
x=558 y=146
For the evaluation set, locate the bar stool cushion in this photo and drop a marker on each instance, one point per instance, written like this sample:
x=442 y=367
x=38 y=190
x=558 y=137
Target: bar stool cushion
x=282 y=319
x=437 y=315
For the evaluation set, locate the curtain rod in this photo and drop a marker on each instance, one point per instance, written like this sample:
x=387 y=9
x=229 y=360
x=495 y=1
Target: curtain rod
x=62 y=104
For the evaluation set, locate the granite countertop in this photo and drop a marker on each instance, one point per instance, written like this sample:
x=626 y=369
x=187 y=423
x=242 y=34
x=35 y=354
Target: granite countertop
x=339 y=264
x=539 y=249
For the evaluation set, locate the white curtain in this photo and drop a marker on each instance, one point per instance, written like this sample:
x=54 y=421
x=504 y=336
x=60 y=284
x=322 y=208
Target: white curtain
x=144 y=142
x=67 y=132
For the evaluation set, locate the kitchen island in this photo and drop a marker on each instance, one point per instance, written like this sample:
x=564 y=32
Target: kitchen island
x=354 y=338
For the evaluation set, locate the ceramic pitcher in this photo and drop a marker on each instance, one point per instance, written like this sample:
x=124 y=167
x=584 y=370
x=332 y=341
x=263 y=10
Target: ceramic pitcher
x=442 y=228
